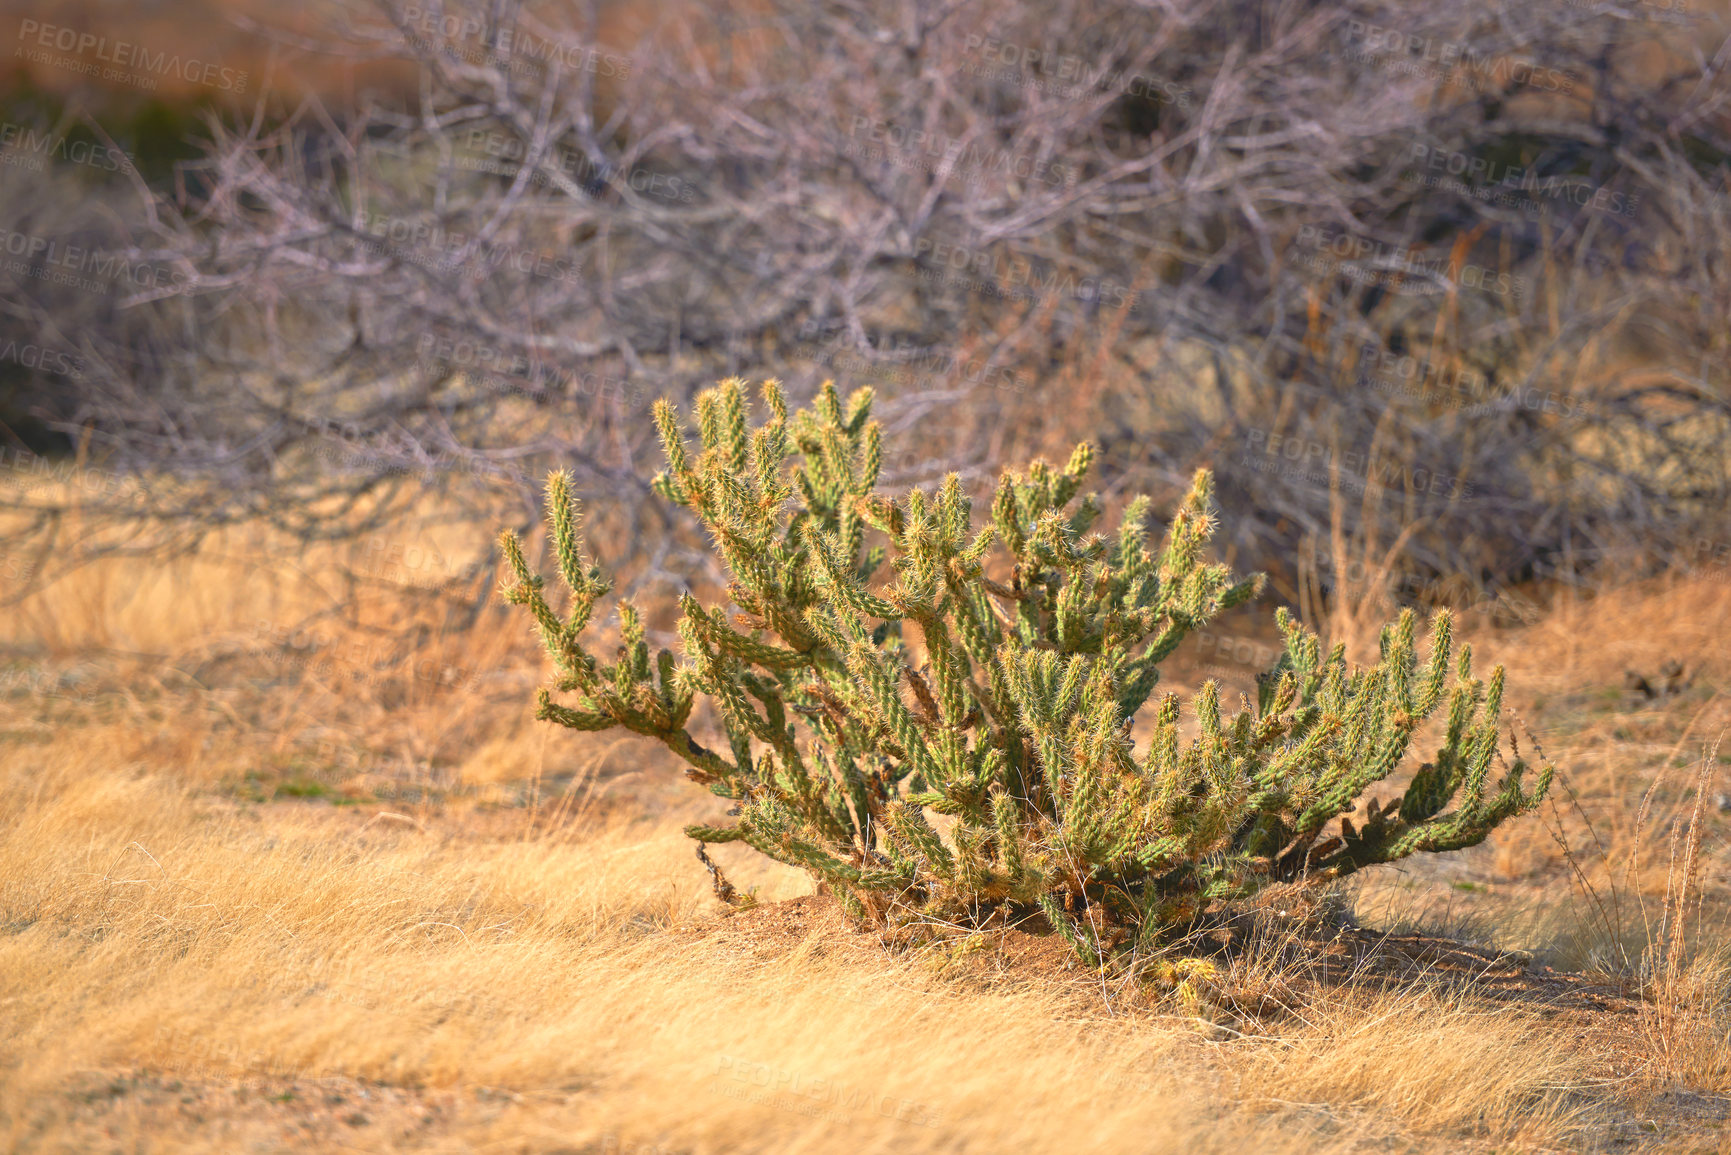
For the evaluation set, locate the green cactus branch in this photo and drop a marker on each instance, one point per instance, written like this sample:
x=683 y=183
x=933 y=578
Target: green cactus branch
x=955 y=735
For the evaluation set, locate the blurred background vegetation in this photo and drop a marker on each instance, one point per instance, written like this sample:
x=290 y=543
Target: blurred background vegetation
x=1448 y=281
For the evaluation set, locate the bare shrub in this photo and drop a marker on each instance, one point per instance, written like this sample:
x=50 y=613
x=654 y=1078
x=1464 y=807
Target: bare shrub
x=1458 y=257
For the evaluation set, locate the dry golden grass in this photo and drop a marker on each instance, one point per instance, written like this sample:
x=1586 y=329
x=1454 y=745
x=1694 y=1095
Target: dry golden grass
x=284 y=905
x=153 y=928
x=1434 y=1061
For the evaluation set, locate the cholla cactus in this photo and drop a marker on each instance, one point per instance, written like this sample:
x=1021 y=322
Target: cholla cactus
x=966 y=744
